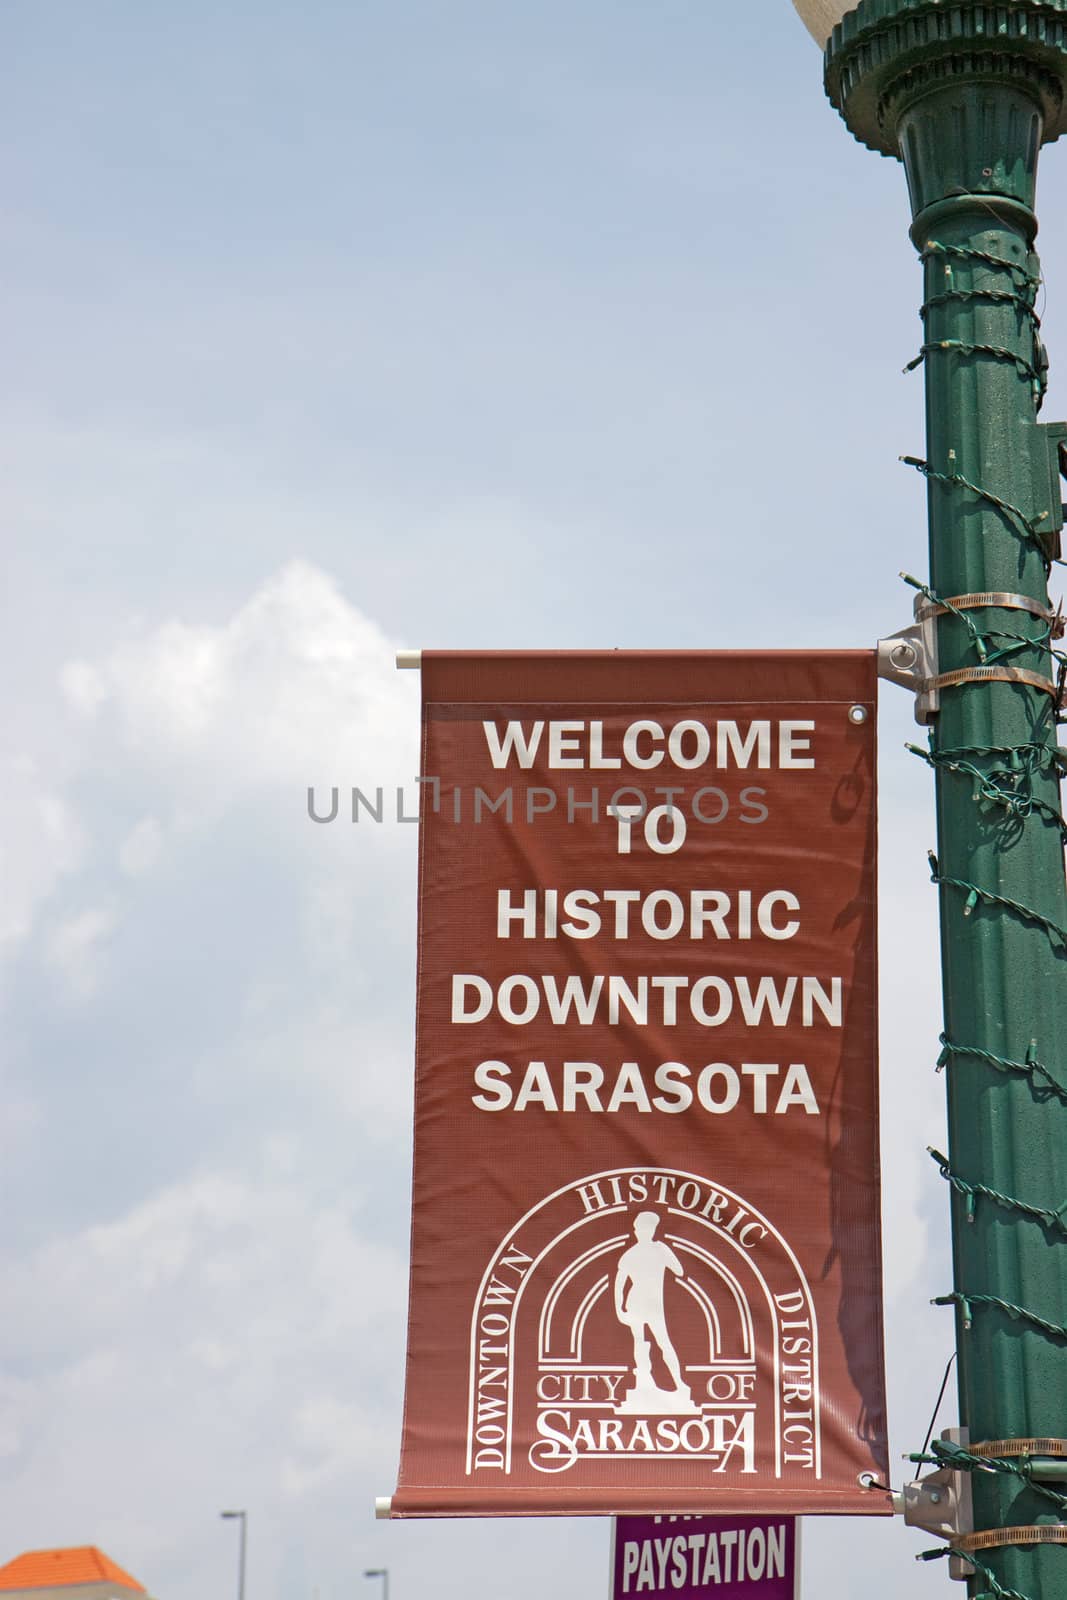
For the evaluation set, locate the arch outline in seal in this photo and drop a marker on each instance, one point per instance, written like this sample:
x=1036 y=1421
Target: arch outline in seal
x=644 y=1312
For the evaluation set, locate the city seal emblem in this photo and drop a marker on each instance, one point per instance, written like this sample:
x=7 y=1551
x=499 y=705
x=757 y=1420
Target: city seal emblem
x=644 y=1312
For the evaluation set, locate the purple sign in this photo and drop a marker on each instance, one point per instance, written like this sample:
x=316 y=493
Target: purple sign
x=705 y=1558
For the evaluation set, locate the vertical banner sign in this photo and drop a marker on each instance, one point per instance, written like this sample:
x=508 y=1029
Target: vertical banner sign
x=646 y=1270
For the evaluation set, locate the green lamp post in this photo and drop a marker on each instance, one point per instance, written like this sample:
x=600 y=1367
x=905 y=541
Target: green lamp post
x=965 y=94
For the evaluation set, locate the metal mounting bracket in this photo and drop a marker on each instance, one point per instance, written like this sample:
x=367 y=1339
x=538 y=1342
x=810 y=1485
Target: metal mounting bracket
x=909 y=658
x=1050 y=465
x=941 y=1504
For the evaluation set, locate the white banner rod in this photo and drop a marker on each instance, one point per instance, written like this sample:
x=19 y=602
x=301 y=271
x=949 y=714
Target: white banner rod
x=409 y=658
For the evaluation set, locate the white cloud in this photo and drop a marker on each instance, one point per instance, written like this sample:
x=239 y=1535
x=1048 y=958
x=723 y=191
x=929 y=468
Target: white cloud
x=298 y=686
x=225 y=1321
x=41 y=842
x=141 y=848
x=76 y=947
x=185 y=721
x=330 y=1441
x=83 y=687
x=196 y=747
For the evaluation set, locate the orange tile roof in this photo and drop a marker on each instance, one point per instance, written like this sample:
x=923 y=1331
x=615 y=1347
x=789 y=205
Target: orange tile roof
x=56 y=1569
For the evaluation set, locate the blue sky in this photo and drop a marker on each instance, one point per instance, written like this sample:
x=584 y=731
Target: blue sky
x=328 y=330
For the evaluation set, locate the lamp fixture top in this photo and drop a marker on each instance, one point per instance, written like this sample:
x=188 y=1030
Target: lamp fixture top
x=820 y=17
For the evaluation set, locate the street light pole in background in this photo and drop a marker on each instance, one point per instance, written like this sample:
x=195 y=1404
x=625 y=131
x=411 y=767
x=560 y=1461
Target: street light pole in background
x=383 y=1573
x=243 y=1516
x=965 y=93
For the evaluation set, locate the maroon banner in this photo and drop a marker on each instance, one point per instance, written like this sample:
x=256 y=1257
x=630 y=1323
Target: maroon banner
x=646 y=1269
x=705 y=1558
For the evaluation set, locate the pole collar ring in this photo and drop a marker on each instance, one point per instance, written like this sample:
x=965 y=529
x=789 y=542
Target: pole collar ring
x=996 y=1538
x=1019 y=1447
x=969 y=675
x=973 y=602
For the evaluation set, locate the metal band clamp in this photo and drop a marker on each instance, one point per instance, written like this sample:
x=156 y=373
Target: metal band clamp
x=997 y=1538
x=965 y=675
x=974 y=602
x=1007 y=1448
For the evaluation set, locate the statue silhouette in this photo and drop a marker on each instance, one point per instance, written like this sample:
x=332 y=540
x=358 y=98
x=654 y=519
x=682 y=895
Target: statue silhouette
x=639 y=1305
